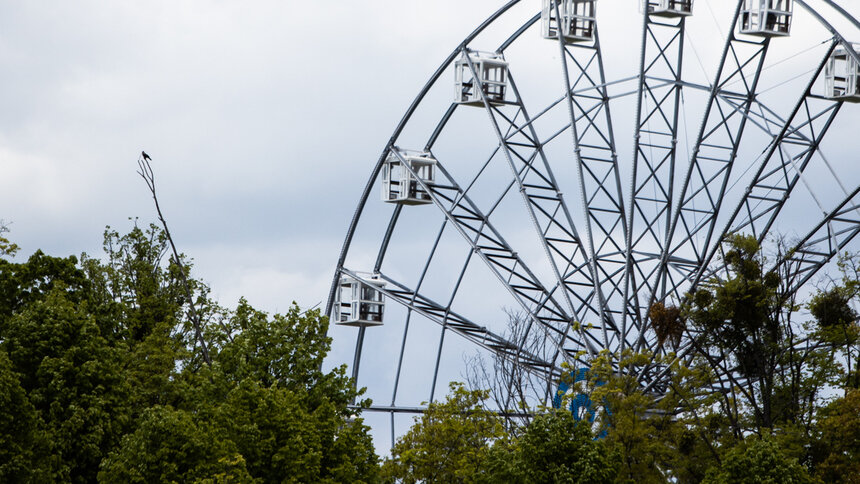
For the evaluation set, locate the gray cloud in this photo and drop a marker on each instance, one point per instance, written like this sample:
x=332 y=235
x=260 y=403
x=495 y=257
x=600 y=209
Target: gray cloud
x=263 y=119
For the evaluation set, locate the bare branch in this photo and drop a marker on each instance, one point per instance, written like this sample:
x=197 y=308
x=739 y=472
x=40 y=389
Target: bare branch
x=145 y=172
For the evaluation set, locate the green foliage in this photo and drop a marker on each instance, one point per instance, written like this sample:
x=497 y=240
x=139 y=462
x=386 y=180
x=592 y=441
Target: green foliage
x=460 y=441
x=285 y=350
x=775 y=381
x=7 y=248
x=135 y=293
x=634 y=429
x=554 y=448
x=758 y=461
x=170 y=446
x=742 y=313
x=839 y=443
x=448 y=443
x=832 y=308
x=284 y=439
x=288 y=418
x=102 y=381
x=74 y=380
x=688 y=433
x=22 y=442
x=837 y=321
x=675 y=436
x=23 y=284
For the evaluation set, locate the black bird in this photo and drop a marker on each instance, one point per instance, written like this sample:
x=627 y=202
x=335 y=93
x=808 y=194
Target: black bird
x=145 y=156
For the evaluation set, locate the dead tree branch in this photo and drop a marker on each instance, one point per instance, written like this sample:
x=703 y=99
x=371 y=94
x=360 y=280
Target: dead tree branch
x=145 y=172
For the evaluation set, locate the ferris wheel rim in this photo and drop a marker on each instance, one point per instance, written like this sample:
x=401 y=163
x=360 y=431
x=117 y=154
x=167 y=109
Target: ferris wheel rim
x=400 y=126
x=435 y=78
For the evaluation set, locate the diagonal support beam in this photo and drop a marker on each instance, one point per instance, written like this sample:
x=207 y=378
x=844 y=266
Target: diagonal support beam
x=654 y=157
x=546 y=206
x=453 y=321
x=823 y=242
x=596 y=159
x=714 y=154
x=491 y=247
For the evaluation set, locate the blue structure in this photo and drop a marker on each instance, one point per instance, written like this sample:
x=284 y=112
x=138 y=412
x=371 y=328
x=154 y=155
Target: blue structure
x=581 y=404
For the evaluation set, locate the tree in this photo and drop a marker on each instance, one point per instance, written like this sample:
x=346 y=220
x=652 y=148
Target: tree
x=758 y=461
x=279 y=416
x=73 y=378
x=288 y=418
x=283 y=439
x=103 y=378
x=23 y=447
x=772 y=367
x=837 y=321
x=512 y=387
x=450 y=442
x=276 y=415
x=25 y=283
x=554 y=448
x=675 y=436
x=135 y=292
x=740 y=317
x=460 y=441
x=838 y=446
x=169 y=445
x=7 y=248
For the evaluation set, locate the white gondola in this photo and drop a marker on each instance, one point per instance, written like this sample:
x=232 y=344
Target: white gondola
x=577 y=20
x=360 y=303
x=669 y=8
x=842 y=76
x=491 y=78
x=766 y=18
x=399 y=185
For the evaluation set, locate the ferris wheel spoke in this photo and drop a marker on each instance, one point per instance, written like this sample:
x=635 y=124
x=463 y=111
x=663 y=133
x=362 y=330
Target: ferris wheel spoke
x=583 y=292
x=593 y=138
x=714 y=153
x=409 y=311
x=654 y=157
x=800 y=263
x=542 y=198
x=823 y=242
x=717 y=146
x=785 y=161
x=475 y=227
x=452 y=321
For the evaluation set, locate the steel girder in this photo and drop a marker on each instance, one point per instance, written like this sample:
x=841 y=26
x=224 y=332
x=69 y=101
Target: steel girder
x=365 y=195
x=792 y=149
x=714 y=154
x=596 y=159
x=823 y=242
x=654 y=158
x=548 y=211
x=446 y=317
x=812 y=252
x=505 y=264
x=787 y=158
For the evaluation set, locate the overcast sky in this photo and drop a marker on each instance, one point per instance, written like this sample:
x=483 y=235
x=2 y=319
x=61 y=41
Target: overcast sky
x=263 y=119
x=260 y=117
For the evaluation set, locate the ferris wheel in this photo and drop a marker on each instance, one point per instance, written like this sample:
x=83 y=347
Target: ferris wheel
x=574 y=162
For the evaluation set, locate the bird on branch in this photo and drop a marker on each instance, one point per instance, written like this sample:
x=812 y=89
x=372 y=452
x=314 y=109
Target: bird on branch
x=145 y=156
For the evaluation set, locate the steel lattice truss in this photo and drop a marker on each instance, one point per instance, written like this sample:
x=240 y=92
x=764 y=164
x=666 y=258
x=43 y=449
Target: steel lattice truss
x=603 y=252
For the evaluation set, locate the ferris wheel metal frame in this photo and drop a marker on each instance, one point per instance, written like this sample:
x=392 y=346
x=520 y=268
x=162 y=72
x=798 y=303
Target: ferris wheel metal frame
x=623 y=255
